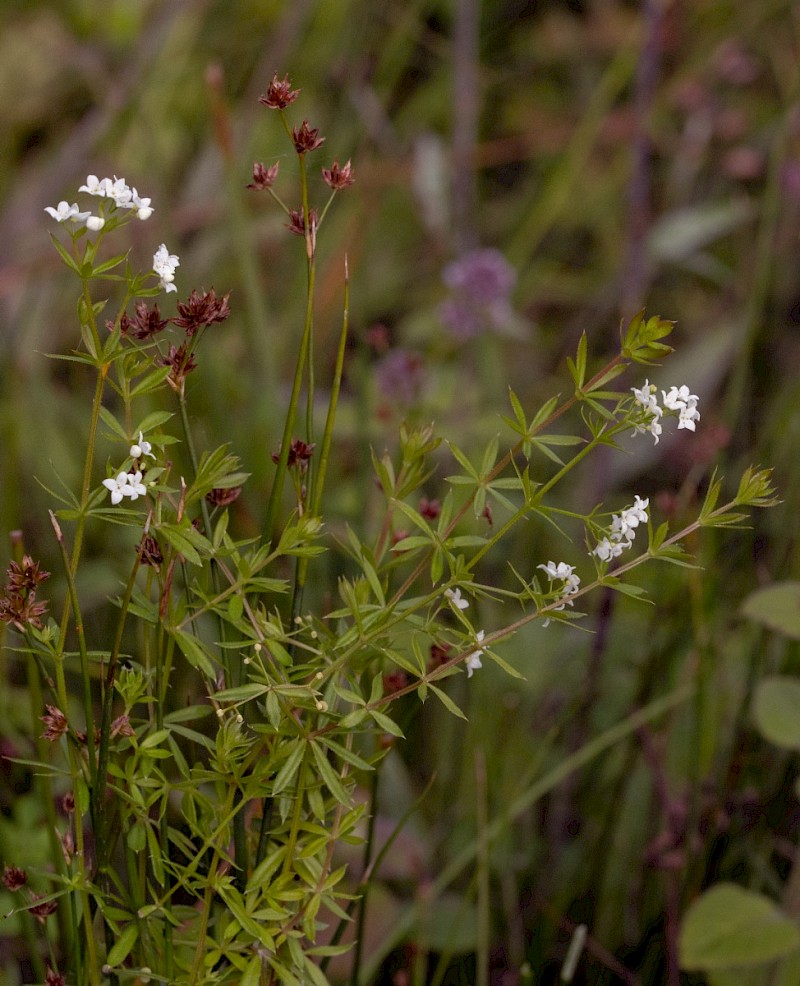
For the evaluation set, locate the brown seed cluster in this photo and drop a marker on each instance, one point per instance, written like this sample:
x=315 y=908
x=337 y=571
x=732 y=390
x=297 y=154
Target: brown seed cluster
x=18 y=605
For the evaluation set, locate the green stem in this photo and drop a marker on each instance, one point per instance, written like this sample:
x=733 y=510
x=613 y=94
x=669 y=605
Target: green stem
x=281 y=468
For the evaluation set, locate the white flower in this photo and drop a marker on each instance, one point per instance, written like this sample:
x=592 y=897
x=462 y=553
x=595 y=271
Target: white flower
x=651 y=411
x=141 y=448
x=135 y=487
x=96 y=186
x=571 y=583
x=645 y=396
x=607 y=549
x=687 y=417
x=473 y=660
x=64 y=211
x=141 y=206
x=624 y=525
x=120 y=192
x=94 y=223
x=164 y=264
x=454 y=595
x=558 y=571
x=118 y=486
x=678 y=398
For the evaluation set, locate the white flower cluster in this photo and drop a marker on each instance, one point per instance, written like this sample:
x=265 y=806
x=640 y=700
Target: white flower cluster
x=120 y=193
x=570 y=582
x=164 y=264
x=622 y=531
x=115 y=189
x=677 y=400
x=473 y=660
x=130 y=483
x=64 y=212
x=125 y=484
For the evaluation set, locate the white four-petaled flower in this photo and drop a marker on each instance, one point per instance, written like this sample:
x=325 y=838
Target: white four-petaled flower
x=473 y=660
x=164 y=264
x=125 y=484
x=676 y=399
x=571 y=583
x=118 y=487
x=622 y=531
x=454 y=595
x=141 y=448
x=64 y=212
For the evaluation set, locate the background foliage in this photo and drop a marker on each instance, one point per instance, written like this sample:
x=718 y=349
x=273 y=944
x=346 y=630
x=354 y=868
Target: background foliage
x=619 y=154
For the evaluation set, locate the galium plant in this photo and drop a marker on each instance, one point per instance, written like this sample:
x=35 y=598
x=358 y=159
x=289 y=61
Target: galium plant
x=198 y=843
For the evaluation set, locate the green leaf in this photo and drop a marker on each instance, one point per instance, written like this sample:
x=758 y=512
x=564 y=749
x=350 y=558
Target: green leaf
x=386 y=724
x=65 y=255
x=121 y=948
x=137 y=836
x=194 y=652
x=446 y=701
x=151 y=382
x=243 y=693
x=329 y=776
x=290 y=767
x=730 y=926
x=112 y=424
x=776 y=710
x=252 y=974
x=776 y=607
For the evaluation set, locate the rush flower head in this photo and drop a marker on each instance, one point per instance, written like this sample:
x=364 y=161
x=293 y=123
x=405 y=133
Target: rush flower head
x=25 y=576
x=200 y=310
x=297 y=223
x=55 y=724
x=337 y=177
x=42 y=911
x=182 y=363
x=146 y=322
x=165 y=265
x=223 y=496
x=300 y=453
x=264 y=177
x=150 y=552
x=14 y=878
x=306 y=138
x=279 y=94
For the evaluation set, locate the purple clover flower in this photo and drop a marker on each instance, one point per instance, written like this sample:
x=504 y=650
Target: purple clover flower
x=480 y=283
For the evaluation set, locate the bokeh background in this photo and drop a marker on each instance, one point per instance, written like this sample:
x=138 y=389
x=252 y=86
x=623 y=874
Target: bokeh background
x=612 y=156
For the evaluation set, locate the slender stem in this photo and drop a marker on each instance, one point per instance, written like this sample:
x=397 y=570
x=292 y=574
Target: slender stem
x=73 y=602
x=327 y=440
x=364 y=887
x=283 y=459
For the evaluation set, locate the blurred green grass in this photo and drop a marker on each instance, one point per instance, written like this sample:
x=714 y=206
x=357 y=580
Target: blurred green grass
x=607 y=189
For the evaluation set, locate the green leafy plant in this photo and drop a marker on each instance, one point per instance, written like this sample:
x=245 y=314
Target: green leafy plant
x=207 y=751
